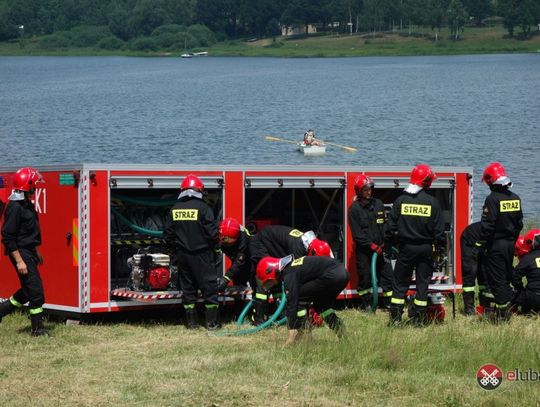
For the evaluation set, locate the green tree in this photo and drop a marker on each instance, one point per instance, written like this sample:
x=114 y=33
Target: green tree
x=478 y=9
x=508 y=10
x=435 y=16
x=457 y=17
x=528 y=14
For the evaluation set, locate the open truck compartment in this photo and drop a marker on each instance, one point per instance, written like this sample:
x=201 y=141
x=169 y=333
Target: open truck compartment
x=102 y=224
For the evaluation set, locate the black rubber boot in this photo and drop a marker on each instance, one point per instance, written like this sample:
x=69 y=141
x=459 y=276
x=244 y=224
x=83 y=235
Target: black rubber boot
x=468 y=303
x=6 y=308
x=396 y=312
x=384 y=303
x=417 y=315
x=365 y=303
x=212 y=318
x=38 y=329
x=502 y=315
x=335 y=323
x=192 y=319
x=259 y=312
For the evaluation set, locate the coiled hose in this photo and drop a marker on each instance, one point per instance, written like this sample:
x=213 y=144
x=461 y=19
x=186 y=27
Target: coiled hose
x=124 y=220
x=264 y=325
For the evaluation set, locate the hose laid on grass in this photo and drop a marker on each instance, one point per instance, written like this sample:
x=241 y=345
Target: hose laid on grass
x=264 y=325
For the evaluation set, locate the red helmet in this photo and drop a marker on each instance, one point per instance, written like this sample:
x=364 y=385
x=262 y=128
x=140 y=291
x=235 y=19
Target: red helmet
x=422 y=175
x=26 y=178
x=229 y=230
x=520 y=249
x=268 y=271
x=532 y=240
x=319 y=247
x=192 y=182
x=495 y=173
x=362 y=181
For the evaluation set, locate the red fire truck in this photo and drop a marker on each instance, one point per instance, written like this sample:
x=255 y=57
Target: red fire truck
x=101 y=223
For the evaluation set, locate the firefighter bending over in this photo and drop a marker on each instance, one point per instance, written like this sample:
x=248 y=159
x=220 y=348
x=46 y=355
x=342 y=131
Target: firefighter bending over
x=416 y=224
x=528 y=297
x=192 y=230
x=21 y=236
x=472 y=271
x=280 y=241
x=308 y=280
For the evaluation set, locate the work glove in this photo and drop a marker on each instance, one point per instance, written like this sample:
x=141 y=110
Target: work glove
x=376 y=248
x=224 y=283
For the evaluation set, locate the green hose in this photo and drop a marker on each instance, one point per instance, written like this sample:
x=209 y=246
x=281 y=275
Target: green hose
x=244 y=312
x=375 y=295
x=135 y=227
x=146 y=202
x=265 y=325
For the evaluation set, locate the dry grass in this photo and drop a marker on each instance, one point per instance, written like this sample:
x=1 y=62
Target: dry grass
x=141 y=363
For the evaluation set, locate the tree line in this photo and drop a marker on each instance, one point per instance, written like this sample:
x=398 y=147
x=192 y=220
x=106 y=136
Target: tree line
x=182 y=23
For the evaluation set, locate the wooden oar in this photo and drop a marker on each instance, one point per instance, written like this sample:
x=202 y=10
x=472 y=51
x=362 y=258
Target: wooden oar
x=272 y=138
x=349 y=149
x=346 y=148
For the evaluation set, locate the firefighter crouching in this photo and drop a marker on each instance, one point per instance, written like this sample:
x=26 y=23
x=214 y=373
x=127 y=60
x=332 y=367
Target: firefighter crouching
x=234 y=241
x=416 y=225
x=472 y=271
x=367 y=222
x=502 y=221
x=280 y=241
x=528 y=297
x=21 y=236
x=192 y=230
x=308 y=280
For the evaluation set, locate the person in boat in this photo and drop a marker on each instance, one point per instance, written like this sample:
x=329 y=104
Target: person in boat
x=309 y=138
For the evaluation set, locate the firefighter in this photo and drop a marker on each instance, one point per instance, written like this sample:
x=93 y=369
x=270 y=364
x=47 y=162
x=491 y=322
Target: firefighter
x=416 y=225
x=280 y=241
x=502 y=221
x=528 y=297
x=308 y=280
x=367 y=221
x=234 y=241
x=191 y=229
x=472 y=271
x=21 y=236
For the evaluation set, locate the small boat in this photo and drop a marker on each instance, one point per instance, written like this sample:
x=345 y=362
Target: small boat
x=186 y=55
x=312 y=150
x=200 y=54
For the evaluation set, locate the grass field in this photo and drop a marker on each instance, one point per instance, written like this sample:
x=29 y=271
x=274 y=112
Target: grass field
x=487 y=40
x=162 y=364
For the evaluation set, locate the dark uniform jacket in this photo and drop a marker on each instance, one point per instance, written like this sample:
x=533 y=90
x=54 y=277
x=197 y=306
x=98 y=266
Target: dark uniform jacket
x=502 y=217
x=417 y=218
x=239 y=255
x=191 y=225
x=304 y=270
x=471 y=234
x=528 y=267
x=277 y=241
x=21 y=226
x=367 y=222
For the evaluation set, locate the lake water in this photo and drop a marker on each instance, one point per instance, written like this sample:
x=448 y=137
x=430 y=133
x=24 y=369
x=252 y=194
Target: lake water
x=455 y=111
